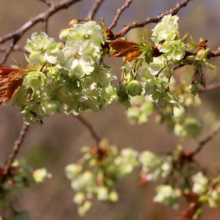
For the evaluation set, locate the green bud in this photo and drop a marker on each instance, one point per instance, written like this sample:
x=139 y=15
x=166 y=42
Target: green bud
x=113 y=196
x=82 y=210
x=134 y=88
x=210 y=66
x=123 y=98
x=63 y=34
x=194 y=89
x=121 y=90
x=196 y=77
x=128 y=78
x=184 y=39
x=53 y=73
x=102 y=193
x=39 y=175
x=73 y=170
x=79 y=198
x=74 y=21
x=202 y=54
x=203 y=80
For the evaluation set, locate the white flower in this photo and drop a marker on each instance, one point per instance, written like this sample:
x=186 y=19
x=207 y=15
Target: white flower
x=76 y=61
x=89 y=34
x=166 y=30
x=40 y=174
x=158 y=66
x=167 y=196
x=174 y=50
x=200 y=183
x=42 y=49
x=155 y=165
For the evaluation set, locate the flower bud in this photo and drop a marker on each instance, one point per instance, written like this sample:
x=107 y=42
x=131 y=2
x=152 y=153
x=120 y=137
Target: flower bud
x=129 y=77
x=194 y=89
x=197 y=77
x=121 y=90
x=134 y=88
x=39 y=175
x=63 y=34
x=203 y=80
x=74 y=21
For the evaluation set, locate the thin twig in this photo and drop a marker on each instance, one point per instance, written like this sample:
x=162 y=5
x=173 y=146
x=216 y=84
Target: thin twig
x=39 y=18
x=214 y=53
x=90 y=128
x=172 y=11
x=15 y=48
x=8 y=51
x=49 y=3
x=206 y=140
x=43 y=17
x=16 y=148
x=119 y=12
x=45 y=26
x=94 y=9
x=209 y=87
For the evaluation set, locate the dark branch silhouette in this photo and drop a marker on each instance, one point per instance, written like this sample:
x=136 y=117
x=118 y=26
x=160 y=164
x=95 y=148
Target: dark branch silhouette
x=206 y=140
x=172 y=11
x=16 y=149
x=16 y=35
x=90 y=128
x=94 y=9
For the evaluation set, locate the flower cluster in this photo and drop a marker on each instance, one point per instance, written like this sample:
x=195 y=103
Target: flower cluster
x=96 y=173
x=155 y=166
x=168 y=196
x=68 y=75
x=71 y=75
x=12 y=185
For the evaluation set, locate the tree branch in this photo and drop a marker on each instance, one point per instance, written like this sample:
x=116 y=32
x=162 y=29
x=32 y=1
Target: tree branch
x=206 y=140
x=90 y=128
x=209 y=87
x=43 y=17
x=172 y=11
x=119 y=12
x=39 y=18
x=94 y=9
x=45 y=26
x=15 y=48
x=16 y=148
x=8 y=51
x=49 y=3
x=214 y=53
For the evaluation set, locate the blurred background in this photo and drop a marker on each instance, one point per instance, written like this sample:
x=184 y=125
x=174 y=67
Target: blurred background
x=58 y=142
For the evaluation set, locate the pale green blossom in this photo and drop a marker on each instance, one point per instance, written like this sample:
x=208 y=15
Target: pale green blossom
x=89 y=34
x=76 y=61
x=166 y=30
x=40 y=174
x=42 y=49
x=200 y=185
x=168 y=196
x=174 y=50
x=158 y=66
x=154 y=165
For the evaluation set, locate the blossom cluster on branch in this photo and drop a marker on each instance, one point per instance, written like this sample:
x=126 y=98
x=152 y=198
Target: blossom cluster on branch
x=72 y=76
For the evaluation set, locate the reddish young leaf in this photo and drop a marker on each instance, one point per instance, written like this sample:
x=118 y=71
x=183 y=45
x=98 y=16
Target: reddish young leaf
x=132 y=56
x=190 y=211
x=9 y=82
x=124 y=52
x=121 y=45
